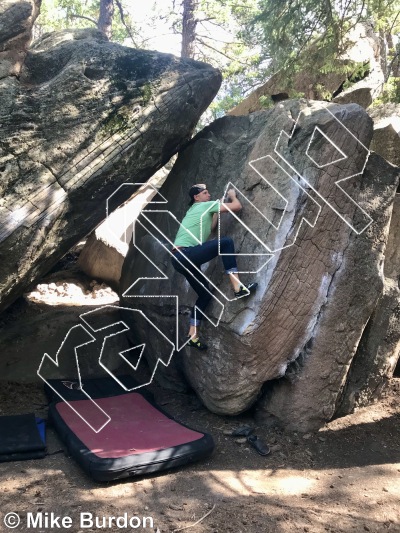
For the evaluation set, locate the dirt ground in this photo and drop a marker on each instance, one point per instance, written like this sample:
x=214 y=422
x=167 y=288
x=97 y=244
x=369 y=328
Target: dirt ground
x=346 y=477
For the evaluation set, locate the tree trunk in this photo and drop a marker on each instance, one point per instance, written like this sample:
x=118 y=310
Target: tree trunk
x=105 y=18
x=189 y=23
x=395 y=62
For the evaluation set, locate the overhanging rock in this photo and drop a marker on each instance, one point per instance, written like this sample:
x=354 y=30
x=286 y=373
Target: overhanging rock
x=314 y=243
x=84 y=116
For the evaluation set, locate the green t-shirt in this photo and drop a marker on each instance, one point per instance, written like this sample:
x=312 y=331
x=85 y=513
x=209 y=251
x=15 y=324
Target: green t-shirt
x=196 y=226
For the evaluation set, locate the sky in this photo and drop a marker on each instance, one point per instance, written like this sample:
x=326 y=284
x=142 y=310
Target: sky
x=162 y=38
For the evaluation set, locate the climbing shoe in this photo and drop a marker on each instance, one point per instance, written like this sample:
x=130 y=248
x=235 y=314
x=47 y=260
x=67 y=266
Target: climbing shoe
x=259 y=445
x=246 y=290
x=196 y=343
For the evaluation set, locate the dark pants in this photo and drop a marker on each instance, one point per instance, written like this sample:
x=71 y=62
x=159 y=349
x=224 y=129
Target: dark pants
x=198 y=255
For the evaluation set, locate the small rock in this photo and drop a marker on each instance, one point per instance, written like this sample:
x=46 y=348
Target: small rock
x=241 y=440
x=307 y=436
x=275 y=448
x=175 y=507
x=227 y=432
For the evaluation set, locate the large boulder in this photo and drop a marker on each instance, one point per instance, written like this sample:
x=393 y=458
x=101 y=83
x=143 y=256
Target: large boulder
x=312 y=244
x=377 y=353
x=379 y=348
x=318 y=385
x=16 y=21
x=84 y=116
x=280 y=86
x=386 y=139
x=359 y=95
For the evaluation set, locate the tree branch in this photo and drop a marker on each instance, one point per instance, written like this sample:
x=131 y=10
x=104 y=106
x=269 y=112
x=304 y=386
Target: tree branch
x=156 y=37
x=216 y=40
x=358 y=18
x=85 y=18
x=219 y=25
x=394 y=22
x=128 y=29
x=206 y=19
x=219 y=52
x=390 y=66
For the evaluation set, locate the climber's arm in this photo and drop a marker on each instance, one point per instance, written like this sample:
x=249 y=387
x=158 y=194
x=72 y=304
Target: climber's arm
x=234 y=204
x=214 y=221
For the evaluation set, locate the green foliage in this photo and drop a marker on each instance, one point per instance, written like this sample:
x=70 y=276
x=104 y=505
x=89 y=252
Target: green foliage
x=359 y=72
x=313 y=34
x=232 y=97
x=266 y=102
x=64 y=14
x=147 y=93
x=391 y=92
x=117 y=123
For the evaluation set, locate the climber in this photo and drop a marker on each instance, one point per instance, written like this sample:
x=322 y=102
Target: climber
x=200 y=219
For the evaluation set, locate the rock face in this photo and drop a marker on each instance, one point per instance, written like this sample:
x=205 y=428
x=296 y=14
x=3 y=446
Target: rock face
x=386 y=139
x=16 y=20
x=277 y=88
x=104 y=252
x=84 y=116
x=312 y=245
x=334 y=355
x=361 y=96
x=36 y=329
x=379 y=348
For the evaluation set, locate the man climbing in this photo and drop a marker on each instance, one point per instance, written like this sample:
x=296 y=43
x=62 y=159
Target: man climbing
x=192 y=249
